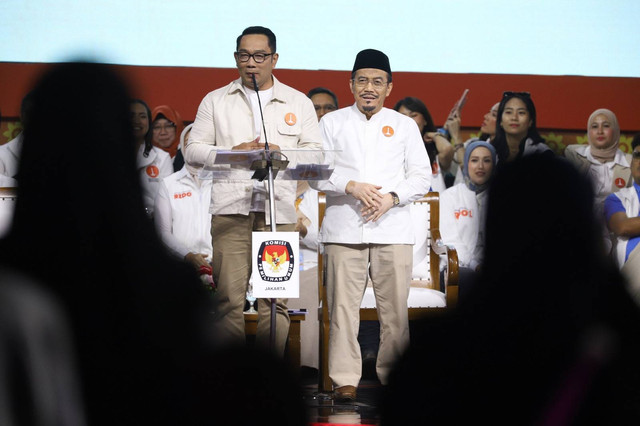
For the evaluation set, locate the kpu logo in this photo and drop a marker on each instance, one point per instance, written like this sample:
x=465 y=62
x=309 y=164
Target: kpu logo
x=275 y=261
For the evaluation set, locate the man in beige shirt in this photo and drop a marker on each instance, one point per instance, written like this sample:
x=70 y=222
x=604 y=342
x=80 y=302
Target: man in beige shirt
x=230 y=118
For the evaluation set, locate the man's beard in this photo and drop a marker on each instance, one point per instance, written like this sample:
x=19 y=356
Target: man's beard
x=368 y=108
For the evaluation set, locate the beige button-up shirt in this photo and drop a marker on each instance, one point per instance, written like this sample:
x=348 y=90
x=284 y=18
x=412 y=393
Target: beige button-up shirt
x=225 y=119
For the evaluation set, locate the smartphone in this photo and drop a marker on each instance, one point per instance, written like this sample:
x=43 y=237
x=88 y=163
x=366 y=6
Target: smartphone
x=457 y=107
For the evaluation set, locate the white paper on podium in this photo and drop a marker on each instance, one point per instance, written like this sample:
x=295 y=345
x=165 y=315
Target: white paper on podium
x=275 y=272
x=238 y=157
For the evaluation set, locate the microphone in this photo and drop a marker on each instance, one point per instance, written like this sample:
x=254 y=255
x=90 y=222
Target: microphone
x=262 y=167
x=264 y=129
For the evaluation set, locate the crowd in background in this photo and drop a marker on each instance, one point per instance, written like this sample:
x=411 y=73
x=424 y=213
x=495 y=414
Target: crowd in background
x=125 y=251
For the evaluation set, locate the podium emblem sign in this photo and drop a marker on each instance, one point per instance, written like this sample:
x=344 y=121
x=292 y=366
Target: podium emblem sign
x=275 y=268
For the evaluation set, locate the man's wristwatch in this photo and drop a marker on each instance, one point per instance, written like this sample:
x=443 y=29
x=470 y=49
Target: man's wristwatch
x=396 y=199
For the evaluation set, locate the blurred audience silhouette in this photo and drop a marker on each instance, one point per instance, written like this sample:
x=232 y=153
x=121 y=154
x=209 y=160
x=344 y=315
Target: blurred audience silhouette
x=548 y=336
x=38 y=376
x=137 y=316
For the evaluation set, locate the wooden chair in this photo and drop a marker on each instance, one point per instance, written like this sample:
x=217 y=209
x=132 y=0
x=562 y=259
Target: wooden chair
x=425 y=296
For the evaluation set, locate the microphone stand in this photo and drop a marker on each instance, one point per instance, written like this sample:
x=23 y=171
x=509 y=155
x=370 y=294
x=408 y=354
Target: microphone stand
x=259 y=174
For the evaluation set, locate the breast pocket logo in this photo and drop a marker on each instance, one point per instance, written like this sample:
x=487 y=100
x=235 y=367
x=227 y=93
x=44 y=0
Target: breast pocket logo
x=275 y=261
x=463 y=213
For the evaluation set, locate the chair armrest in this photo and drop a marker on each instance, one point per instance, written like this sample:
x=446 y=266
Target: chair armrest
x=451 y=266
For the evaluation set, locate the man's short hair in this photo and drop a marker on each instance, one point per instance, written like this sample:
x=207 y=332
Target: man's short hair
x=635 y=141
x=259 y=30
x=318 y=90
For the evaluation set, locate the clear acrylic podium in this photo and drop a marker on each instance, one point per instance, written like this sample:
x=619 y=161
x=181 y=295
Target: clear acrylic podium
x=286 y=164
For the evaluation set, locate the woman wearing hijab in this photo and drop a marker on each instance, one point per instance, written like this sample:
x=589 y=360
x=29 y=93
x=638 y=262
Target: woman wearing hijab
x=602 y=160
x=462 y=210
x=153 y=163
x=167 y=126
x=182 y=215
x=606 y=166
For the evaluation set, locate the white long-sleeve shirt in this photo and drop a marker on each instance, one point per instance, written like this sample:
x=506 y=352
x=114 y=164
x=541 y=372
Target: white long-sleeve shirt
x=462 y=214
x=386 y=150
x=182 y=215
x=151 y=170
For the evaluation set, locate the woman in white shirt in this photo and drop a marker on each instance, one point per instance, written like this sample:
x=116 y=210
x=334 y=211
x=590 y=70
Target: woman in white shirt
x=153 y=163
x=462 y=211
x=182 y=215
x=602 y=160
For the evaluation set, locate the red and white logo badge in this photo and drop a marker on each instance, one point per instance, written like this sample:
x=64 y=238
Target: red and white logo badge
x=152 y=171
x=620 y=183
x=275 y=261
x=179 y=195
x=462 y=212
x=290 y=119
x=387 y=131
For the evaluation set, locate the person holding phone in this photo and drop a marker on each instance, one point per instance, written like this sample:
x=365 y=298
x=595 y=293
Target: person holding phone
x=487 y=132
x=437 y=145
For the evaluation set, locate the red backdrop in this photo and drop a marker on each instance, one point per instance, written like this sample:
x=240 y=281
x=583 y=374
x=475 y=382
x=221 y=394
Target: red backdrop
x=563 y=102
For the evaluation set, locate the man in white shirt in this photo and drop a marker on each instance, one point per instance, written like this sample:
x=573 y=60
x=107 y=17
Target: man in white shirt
x=381 y=166
x=230 y=118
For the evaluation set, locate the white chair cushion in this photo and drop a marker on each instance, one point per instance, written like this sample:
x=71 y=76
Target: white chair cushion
x=419 y=297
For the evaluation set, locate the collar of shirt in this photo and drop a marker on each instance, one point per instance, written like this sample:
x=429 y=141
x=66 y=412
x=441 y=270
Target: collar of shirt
x=238 y=87
x=619 y=158
x=375 y=117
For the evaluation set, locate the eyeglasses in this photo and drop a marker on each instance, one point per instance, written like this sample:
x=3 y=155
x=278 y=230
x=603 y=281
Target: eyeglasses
x=258 y=57
x=377 y=82
x=635 y=155
x=166 y=127
x=510 y=94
